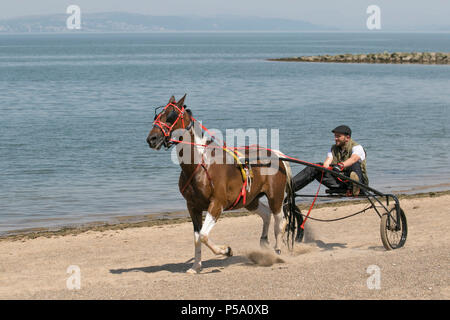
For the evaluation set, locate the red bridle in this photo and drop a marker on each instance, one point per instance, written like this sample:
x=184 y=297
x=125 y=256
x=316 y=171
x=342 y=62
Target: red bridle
x=165 y=128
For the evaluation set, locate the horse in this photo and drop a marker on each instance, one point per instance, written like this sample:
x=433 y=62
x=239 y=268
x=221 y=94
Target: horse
x=217 y=186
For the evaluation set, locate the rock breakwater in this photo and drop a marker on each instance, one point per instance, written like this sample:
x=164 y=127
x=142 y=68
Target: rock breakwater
x=385 y=57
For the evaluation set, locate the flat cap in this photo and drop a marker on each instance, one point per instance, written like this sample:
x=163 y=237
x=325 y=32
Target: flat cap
x=343 y=129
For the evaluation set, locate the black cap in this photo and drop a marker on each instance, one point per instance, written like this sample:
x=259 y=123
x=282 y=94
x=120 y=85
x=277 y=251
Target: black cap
x=343 y=129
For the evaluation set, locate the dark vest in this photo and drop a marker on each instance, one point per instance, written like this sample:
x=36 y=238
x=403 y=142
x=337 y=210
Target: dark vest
x=344 y=153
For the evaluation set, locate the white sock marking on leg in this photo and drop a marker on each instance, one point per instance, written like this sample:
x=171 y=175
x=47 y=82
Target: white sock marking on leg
x=207 y=225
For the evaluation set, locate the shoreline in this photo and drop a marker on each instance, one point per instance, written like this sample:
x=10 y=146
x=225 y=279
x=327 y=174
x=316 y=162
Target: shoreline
x=170 y=218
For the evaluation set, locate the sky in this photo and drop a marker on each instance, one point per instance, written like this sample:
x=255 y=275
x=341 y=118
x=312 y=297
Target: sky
x=344 y=14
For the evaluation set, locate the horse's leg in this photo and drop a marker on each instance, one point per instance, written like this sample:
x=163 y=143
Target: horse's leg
x=279 y=224
x=212 y=215
x=275 y=204
x=196 y=217
x=264 y=212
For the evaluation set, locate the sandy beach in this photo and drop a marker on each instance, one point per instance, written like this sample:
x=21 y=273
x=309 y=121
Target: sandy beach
x=150 y=262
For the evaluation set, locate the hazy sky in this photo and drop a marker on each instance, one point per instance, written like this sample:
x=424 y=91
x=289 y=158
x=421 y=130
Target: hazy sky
x=339 y=13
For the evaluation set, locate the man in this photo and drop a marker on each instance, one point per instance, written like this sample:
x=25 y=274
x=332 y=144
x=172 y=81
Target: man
x=346 y=157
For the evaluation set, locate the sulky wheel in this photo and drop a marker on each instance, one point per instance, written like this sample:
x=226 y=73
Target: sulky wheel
x=393 y=229
x=300 y=231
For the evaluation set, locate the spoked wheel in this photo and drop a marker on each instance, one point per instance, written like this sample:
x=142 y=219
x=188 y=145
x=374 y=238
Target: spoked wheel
x=393 y=229
x=300 y=232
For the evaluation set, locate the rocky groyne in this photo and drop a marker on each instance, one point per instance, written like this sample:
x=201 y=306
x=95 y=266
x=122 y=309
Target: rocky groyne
x=385 y=57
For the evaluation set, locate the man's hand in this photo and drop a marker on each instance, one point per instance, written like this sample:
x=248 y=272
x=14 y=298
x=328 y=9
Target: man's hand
x=338 y=167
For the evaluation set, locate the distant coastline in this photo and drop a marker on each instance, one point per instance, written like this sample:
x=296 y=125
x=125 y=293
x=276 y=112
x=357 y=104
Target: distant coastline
x=125 y=22
x=385 y=57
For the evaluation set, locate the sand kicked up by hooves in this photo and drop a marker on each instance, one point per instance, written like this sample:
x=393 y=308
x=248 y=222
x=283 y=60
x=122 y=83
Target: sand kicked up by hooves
x=264 y=258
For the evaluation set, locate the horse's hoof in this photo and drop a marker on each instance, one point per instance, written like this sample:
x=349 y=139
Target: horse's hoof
x=278 y=251
x=193 y=271
x=229 y=252
x=264 y=243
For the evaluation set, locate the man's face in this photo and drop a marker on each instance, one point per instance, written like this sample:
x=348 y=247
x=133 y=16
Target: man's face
x=341 y=139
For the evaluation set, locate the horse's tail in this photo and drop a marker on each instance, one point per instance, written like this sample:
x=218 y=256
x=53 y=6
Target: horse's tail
x=291 y=212
x=288 y=187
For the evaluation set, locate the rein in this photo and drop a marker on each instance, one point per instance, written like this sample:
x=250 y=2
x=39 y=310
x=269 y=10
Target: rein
x=167 y=129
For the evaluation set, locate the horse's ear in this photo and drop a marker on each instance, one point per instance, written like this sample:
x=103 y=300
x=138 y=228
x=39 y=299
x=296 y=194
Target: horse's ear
x=172 y=99
x=181 y=101
x=189 y=112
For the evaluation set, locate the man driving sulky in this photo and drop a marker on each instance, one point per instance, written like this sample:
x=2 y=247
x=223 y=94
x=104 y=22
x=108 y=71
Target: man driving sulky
x=347 y=157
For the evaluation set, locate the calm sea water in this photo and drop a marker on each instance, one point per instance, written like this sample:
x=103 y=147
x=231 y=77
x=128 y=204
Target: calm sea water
x=75 y=111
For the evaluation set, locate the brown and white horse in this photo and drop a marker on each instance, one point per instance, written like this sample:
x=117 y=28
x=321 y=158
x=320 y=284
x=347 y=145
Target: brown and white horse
x=216 y=186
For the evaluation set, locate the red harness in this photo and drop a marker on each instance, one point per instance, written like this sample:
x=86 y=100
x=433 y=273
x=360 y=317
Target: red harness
x=167 y=129
x=242 y=194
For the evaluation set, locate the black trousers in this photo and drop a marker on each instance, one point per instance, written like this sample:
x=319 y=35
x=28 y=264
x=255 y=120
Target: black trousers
x=309 y=174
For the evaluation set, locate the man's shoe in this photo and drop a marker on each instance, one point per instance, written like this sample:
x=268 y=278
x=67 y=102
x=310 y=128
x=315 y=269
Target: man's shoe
x=355 y=188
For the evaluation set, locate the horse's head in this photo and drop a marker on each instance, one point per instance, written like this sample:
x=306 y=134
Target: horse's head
x=173 y=116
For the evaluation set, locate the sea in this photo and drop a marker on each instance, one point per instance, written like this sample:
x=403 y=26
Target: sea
x=76 y=109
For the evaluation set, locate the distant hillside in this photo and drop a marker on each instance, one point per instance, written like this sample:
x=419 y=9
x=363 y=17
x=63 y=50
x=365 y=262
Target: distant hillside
x=131 y=22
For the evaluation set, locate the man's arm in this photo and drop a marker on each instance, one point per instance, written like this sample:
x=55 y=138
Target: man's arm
x=327 y=162
x=347 y=163
x=358 y=154
x=352 y=160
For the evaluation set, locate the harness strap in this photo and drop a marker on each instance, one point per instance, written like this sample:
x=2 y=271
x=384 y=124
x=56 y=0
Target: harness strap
x=207 y=174
x=190 y=178
x=166 y=130
x=241 y=166
x=242 y=194
x=234 y=154
x=202 y=164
